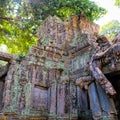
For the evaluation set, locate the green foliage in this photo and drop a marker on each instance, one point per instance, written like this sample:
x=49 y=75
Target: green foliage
x=111 y=29
x=19 y=19
x=17 y=32
x=17 y=37
x=117 y=2
x=66 y=8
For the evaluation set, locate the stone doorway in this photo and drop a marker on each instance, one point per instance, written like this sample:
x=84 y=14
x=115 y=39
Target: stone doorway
x=114 y=78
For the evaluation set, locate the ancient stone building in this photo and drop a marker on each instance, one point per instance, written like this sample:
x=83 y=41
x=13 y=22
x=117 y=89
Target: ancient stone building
x=72 y=74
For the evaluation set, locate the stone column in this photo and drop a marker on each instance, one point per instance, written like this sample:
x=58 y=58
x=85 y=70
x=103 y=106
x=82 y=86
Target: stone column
x=84 y=111
x=107 y=104
x=94 y=102
x=73 y=102
x=53 y=101
x=63 y=101
x=60 y=101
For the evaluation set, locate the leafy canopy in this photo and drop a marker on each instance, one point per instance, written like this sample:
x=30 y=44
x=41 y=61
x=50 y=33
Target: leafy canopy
x=20 y=18
x=66 y=8
x=117 y=2
x=111 y=29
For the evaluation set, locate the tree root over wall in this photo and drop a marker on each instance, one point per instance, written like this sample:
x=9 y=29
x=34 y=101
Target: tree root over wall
x=98 y=60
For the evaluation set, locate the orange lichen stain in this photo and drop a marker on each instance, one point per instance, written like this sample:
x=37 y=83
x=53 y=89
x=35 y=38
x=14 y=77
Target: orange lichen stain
x=3 y=118
x=36 y=118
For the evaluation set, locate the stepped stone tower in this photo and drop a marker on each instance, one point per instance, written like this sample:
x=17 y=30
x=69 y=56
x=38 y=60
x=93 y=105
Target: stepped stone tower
x=65 y=77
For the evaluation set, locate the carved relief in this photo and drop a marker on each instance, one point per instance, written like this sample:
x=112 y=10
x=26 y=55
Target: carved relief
x=73 y=99
x=42 y=84
x=39 y=99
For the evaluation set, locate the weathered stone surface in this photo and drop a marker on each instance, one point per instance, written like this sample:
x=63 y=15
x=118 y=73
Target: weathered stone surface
x=6 y=57
x=63 y=77
x=87 y=26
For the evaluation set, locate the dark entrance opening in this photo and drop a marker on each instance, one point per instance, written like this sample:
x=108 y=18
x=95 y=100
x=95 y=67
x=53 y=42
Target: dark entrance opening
x=114 y=78
x=3 y=72
x=2 y=84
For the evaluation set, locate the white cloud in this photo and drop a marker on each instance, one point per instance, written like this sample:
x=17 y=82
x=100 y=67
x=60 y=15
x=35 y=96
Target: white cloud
x=113 y=11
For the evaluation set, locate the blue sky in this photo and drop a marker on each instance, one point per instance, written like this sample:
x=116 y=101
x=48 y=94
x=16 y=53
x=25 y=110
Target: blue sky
x=113 y=11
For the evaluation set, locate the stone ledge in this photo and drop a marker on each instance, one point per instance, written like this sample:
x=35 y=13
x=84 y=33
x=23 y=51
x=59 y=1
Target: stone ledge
x=6 y=57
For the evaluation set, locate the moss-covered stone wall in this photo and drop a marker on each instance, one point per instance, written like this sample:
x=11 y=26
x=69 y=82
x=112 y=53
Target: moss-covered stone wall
x=42 y=85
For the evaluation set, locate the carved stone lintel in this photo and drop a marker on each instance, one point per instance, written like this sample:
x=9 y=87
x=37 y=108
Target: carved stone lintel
x=83 y=82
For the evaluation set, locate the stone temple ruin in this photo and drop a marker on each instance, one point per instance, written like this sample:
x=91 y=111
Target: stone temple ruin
x=72 y=74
